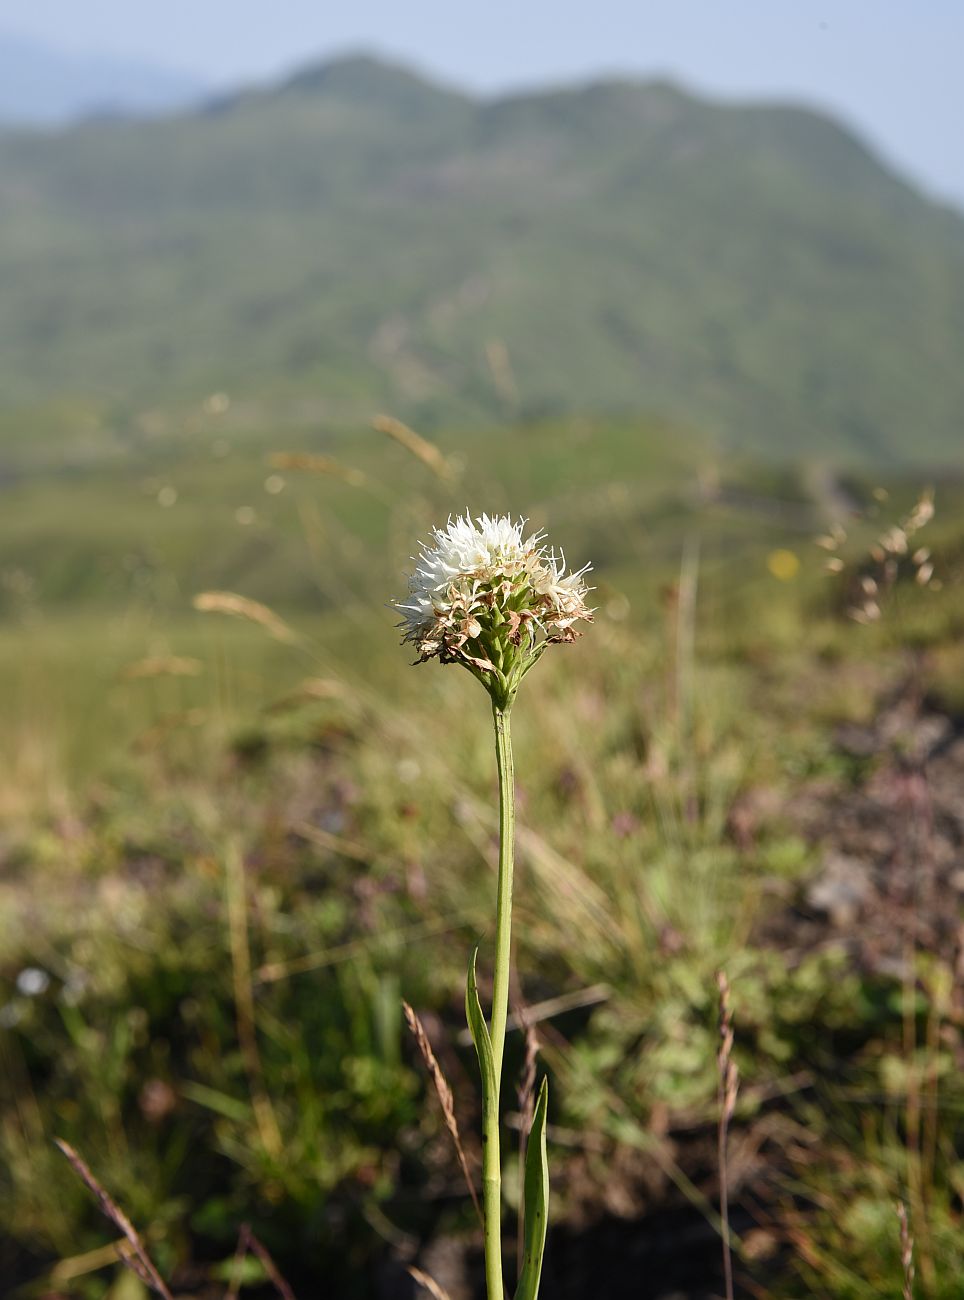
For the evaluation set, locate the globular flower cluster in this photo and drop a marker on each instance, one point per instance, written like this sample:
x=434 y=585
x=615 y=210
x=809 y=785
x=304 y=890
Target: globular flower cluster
x=485 y=596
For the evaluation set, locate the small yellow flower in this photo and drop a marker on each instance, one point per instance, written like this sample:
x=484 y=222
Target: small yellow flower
x=784 y=565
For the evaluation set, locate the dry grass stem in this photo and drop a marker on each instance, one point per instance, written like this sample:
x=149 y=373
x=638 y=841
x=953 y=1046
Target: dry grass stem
x=164 y=666
x=280 y=970
x=729 y=1083
x=527 y=1079
x=446 y=1100
x=428 y=1283
x=500 y=368
x=906 y=1252
x=526 y=1095
x=541 y=1011
x=135 y=1254
x=315 y=464
x=574 y=1001
x=334 y=843
x=311 y=690
x=413 y=442
x=229 y=602
x=240 y=1255
x=270 y=1267
x=244 y=1000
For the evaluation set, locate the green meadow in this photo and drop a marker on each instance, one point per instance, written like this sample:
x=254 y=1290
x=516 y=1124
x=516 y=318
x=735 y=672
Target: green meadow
x=235 y=841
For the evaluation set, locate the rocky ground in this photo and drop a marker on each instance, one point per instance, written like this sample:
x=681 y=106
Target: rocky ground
x=892 y=845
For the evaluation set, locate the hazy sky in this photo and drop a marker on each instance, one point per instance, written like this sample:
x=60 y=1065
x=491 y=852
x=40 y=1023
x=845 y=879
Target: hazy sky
x=891 y=67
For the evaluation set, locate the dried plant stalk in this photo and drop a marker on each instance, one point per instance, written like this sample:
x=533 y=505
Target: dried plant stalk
x=164 y=666
x=729 y=1082
x=229 y=602
x=248 y=1244
x=270 y=1267
x=420 y=447
x=446 y=1099
x=315 y=464
x=136 y=1257
x=240 y=1255
x=526 y=1095
x=429 y=1283
x=906 y=1252
x=527 y=1079
x=308 y=691
x=500 y=368
x=245 y=1016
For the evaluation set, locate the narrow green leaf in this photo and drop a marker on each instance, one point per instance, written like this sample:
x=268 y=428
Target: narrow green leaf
x=536 y=1201
x=219 y=1102
x=480 y=1034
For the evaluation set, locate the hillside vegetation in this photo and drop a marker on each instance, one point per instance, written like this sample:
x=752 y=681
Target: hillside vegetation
x=358 y=237
x=193 y=804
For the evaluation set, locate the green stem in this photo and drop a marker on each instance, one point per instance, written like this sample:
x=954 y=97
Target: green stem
x=503 y=929
x=491 y=1159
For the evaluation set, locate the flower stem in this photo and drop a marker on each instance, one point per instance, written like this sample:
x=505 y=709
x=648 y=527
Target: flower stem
x=491 y=1159
x=503 y=931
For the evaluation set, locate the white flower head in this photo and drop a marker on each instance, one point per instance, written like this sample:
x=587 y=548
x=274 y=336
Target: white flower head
x=487 y=596
x=32 y=982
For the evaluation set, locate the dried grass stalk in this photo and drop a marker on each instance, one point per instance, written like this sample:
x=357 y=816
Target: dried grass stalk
x=134 y=1255
x=315 y=464
x=270 y=1267
x=526 y=1095
x=164 y=666
x=500 y=368
x=446 y=1100
x=240 y=1255
x=429 y=1283
x=413 y=442
x=248 y=1244
x=312 y=689
x=229 y=602
x=906 y=1252
x=527 y=1079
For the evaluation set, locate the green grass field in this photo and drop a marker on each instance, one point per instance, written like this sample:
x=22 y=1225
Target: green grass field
x=232 y=849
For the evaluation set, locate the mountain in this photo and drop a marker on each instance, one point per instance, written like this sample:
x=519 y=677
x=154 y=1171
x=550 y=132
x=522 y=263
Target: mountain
x=42 y=86
x=358 y=238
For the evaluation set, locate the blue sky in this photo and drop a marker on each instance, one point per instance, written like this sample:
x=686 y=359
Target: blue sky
x=890 y=67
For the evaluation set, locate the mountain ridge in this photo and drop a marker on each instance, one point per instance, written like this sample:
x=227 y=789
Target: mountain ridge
x=356 y=231
x=42 y=86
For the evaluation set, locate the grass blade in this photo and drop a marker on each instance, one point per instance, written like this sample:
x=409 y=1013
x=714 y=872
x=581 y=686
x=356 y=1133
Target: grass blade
x=480 y=1034
x=536 y=1200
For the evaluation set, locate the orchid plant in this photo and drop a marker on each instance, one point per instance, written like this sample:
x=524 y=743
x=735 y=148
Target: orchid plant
x=488 y=597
